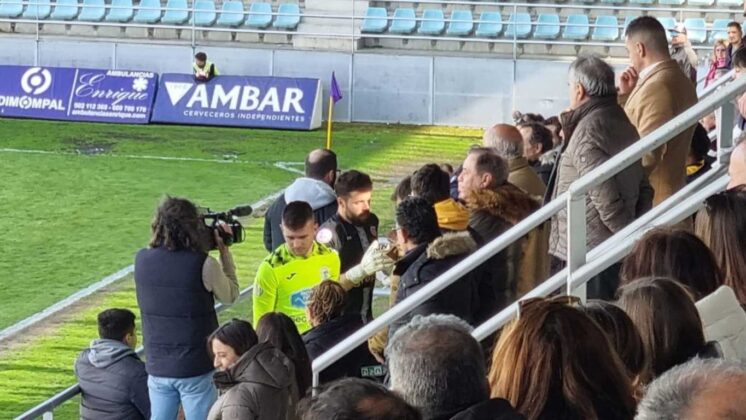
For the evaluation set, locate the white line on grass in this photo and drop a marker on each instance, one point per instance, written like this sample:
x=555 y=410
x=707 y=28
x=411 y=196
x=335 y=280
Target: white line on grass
x=106 y=281
x=145 y=157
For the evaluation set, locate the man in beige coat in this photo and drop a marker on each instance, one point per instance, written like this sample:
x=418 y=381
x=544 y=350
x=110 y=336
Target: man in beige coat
x=654 y=90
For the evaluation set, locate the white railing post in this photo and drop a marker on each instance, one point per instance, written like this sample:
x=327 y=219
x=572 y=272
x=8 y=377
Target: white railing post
x=725 y=132
x=576 y=240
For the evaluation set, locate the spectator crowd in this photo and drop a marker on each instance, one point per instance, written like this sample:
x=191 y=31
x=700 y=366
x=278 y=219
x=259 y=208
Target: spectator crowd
x=661 y=336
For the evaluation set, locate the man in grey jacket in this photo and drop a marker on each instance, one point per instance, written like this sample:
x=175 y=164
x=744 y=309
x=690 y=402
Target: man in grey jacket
x=597 y=129
x=112 y=378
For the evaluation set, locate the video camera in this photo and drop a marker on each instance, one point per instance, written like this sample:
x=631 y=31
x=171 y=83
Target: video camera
x=212 y=221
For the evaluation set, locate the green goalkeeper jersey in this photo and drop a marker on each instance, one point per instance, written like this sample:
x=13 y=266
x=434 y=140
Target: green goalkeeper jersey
x=283 y=282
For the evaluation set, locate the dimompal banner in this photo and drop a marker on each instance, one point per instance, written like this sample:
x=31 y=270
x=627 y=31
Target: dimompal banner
x=117 y=96
x=243 y=101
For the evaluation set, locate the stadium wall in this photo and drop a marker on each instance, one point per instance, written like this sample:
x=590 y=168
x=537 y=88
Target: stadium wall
x=386 y=87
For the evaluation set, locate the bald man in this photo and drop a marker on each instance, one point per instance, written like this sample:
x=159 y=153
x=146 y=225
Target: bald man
x=507 y=141
x=737 y=167
x=654 y=90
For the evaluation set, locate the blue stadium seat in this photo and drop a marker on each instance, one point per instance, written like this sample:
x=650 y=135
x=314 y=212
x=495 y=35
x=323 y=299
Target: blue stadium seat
x=701 y=2
x=462 y=23
x=148 y=12
x=376 y=20
x=260 y=15
x=641 y=1
x=671 y=2
x=205 y=13
x=719 y=30
x=606 y=29
x=177 y=12
x=696 y=30
x=11 y=8
x=578 y=28
x=404 y=21
x=730 y=3
x=433 y=22
x=547 y=26
x=288 y=16
x=65 y=10
x=490 y=25
x=669 y=24
x=92 y=11
x=121 y=11
x=38 y=9
x=613 y=1
x=231 y=14
x=519 y=26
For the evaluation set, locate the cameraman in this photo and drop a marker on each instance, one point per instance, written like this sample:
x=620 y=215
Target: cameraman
x=177 y=283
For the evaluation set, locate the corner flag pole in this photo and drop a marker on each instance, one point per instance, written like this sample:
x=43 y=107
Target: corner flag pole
x=329 y=124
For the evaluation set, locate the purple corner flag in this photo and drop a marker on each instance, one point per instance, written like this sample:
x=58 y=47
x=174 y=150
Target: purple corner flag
x=334 y=91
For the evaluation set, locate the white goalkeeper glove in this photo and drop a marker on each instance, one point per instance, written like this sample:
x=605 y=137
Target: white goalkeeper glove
x=374 y=259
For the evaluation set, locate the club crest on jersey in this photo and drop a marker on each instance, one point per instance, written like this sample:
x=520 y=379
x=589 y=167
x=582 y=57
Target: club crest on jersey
x=324 y=236
x=325 y=273
x=299 y=299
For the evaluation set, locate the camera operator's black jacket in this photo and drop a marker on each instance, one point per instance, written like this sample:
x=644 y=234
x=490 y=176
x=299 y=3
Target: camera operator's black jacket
x=351 y=241
x=317 y=193
x=424 y=264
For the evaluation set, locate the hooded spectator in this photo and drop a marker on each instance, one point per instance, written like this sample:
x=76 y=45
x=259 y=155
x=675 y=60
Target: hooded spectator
x=671 y=339
x=356 y=399
x=315 y=188
x=652 y=72
x=433 y=184
x=112 y=378
x=554 y=362
x=280 y=331
x=427 y=254
x=495 y=206
x=596 y=128
x=330 y=326
x=439 y=368
x=677 y=254
x=255 y=380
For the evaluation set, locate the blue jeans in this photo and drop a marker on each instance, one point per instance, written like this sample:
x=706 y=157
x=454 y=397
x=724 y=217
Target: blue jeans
x=196 y=394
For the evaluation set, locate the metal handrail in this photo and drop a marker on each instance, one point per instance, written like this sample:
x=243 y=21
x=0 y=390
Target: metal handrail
x=62 y=397
x=717 y=83
x=575 y=194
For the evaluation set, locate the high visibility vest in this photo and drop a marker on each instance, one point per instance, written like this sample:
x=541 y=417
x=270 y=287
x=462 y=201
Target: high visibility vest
x=209 y=69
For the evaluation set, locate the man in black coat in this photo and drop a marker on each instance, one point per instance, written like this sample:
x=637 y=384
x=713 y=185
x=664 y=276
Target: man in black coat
x=112 y=378
x=315 y=188
x=350 y=232
x=427 y=255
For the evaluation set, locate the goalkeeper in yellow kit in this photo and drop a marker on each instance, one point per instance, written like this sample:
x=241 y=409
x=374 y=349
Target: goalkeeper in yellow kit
x=285 y=278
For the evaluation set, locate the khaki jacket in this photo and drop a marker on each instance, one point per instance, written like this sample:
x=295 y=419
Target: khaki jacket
x=522 y=176
x=662 y=95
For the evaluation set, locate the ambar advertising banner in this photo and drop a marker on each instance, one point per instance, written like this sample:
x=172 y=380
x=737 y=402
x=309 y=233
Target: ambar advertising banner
x=118 y=96
x=243 y=101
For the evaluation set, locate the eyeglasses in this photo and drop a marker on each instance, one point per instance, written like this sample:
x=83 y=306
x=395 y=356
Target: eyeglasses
x=528 y=304
x=719 y=49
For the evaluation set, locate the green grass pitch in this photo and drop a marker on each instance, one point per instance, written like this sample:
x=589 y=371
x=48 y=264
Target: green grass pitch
x=79 y=212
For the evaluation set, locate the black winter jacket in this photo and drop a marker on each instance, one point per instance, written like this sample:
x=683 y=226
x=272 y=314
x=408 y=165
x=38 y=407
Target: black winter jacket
x=359 y=363
x=424 y=264
x=494 y=409
x=113 y=382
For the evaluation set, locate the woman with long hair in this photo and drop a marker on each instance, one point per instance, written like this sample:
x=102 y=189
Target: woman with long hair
x=280 y=331
x=721 y=224
x=677 y=254
x=718 y=61
x=256 y=381
x=554 y=362
x=667 y=319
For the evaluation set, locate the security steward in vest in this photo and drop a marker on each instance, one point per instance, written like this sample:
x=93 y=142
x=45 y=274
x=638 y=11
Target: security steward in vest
x=351 y=232
x=202 y=69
